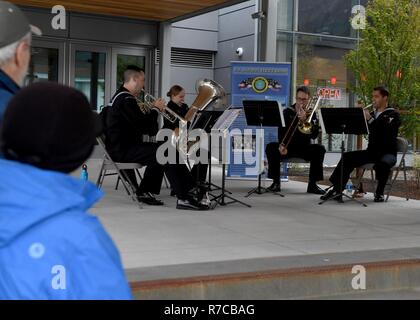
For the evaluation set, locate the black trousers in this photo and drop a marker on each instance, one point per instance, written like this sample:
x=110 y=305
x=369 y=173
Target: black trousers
x=199 y=172
x=354 y=159
x=314 y=153
x=178 y=175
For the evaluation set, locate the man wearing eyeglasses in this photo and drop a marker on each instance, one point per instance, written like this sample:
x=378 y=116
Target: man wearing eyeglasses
x=300 y=146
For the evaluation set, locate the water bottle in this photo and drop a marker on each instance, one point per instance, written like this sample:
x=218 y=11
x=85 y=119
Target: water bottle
x=84 y=174
x=349 y=188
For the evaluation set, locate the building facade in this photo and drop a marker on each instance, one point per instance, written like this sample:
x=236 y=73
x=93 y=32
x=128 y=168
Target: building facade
x=312 y=35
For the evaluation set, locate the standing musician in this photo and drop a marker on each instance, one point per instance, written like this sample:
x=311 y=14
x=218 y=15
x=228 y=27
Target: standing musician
x=383 y=123
x=130 y=137
x=299 y=147
x=178 y=105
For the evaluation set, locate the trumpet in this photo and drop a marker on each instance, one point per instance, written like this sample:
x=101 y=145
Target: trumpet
x=148 y=104
x=368 y=106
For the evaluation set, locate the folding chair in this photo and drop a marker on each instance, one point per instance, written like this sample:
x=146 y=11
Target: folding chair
x=109 y=165
x=291 y=160
x=402 y=148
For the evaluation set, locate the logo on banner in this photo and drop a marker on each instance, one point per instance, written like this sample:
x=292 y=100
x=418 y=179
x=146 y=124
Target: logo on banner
x=260 y=84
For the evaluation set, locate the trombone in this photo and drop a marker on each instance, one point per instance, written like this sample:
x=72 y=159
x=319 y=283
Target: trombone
x=306 y=126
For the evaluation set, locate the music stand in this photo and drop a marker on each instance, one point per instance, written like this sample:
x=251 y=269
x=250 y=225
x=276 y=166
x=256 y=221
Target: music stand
x=205 y=120
x=262 y=113
x=343 y=121
x=223 y=124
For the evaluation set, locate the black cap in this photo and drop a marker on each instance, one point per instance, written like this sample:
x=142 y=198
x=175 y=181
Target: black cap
x=13 y=24
x=50 y=126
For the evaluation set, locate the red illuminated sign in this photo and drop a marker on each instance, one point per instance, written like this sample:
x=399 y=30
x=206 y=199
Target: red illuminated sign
x=330 y=93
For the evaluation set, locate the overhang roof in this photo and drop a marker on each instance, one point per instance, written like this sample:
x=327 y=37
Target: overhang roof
x=154 y=10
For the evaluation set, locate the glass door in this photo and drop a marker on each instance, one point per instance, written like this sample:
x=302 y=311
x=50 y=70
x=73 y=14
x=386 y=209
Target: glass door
x=90 y=73
x=123 y=57
x=47 y=62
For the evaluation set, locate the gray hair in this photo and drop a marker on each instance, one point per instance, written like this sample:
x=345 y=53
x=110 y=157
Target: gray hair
x=7 y=52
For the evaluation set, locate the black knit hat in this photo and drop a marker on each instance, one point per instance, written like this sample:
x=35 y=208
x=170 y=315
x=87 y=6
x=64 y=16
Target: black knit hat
x=50 y=126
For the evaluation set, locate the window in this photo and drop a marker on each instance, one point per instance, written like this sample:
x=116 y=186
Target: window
x=89 y=76
x=43 y=65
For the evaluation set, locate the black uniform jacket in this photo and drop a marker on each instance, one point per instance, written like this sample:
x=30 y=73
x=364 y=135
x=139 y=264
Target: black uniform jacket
x=299 y=140
x=383 y=132
x=127 y=125
x=180 y=110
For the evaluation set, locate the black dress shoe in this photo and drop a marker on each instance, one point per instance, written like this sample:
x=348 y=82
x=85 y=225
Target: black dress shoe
x=314 y=188
x=379 y=198
x=149 y=199
x=275 y=187
x=332 y=194
x=191 y=204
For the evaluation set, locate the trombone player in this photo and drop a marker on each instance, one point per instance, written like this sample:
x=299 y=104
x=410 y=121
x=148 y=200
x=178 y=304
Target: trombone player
x=298 y=146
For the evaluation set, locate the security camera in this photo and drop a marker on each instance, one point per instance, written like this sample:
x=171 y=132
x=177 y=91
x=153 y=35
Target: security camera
x=258 y=15
x=239 y=52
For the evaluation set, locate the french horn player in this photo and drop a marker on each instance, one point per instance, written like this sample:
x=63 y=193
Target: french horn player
x=295 y=142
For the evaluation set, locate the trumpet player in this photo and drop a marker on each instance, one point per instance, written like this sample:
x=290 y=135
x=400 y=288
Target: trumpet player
x=383 y=123
x=130 y=137
x=299 y=146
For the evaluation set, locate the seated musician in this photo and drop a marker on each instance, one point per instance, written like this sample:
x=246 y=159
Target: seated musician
x=178 y=105
x=383 y=125
x=299 y=147
x=130 y=137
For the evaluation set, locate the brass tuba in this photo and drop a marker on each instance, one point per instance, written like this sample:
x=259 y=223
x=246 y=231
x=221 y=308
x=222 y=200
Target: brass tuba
x=208 y=92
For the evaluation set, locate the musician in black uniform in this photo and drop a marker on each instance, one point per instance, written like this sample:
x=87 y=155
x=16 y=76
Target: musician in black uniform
x=131 y=137
x=383 y=123
x=178 y=105
x=299 y=147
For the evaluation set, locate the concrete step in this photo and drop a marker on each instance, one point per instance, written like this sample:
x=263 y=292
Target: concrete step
x=390 y=274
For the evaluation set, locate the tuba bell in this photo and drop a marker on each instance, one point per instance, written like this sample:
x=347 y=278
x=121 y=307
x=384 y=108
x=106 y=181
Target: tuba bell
x=208 y=92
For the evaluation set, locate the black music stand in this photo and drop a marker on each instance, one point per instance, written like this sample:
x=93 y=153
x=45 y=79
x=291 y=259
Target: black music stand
x=343 y=121
x=262 y=113
x=205 y=120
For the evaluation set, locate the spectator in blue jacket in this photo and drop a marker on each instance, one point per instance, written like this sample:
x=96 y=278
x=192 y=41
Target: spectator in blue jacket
x=15 y=51
x=50 y=246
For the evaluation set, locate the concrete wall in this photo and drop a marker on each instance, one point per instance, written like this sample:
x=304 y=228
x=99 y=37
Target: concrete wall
x=222 y=32
x=236 y=29
x=198 y=33
x=96 y=28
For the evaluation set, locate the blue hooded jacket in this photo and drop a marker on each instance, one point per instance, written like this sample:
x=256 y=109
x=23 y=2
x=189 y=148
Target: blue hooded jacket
x=50 y=247
x=8 y=88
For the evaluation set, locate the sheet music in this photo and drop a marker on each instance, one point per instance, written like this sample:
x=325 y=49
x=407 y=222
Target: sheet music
x=226 y=119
